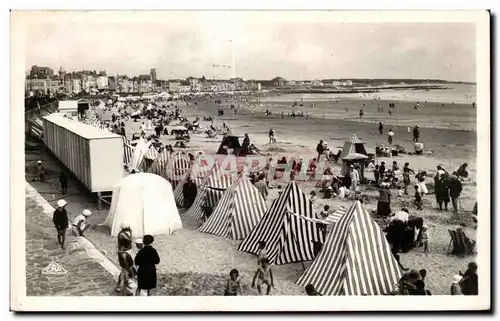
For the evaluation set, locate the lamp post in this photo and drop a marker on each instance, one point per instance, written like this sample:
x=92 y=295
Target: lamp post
x=233 y=67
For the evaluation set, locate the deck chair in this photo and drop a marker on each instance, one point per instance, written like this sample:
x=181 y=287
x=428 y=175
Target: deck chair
x=462 y=245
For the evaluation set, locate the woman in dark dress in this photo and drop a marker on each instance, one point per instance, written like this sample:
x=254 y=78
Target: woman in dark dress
x=146 y=261
x=384 y=200
x=442 y=192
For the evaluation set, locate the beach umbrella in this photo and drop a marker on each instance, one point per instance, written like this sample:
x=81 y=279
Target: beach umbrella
x=354 y=156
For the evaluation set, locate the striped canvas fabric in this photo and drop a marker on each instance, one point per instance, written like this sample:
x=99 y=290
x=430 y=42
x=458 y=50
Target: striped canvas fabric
x=196 y=211
x=199 y=171
x=215 y=186
x=152 y=153
x=355 y=260
x=239 y=210
x=128 y=151
x=177 y=168
x=160 y=165
x=289 y=238
x=149 y=158
x=331 y=219
x=216 y=178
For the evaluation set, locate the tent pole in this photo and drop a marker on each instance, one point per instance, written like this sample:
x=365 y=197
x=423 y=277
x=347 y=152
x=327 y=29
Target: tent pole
x=99 y=202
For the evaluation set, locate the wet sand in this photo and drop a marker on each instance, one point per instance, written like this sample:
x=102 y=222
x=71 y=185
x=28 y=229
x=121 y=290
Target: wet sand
x=449 y=146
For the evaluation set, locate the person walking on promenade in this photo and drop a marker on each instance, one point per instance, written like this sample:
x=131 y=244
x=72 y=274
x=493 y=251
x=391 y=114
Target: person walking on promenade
x=380 y=128
x=61 y=222
x=146 y=260
x=63 y=179
x=124 y=285
x=41 y=171
x=125 y=237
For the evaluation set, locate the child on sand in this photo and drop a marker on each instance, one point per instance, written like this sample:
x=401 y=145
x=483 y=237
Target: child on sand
x=418 y=198
x=425 y=239
x=233 y=286
x=262 y=252
x=263 y=275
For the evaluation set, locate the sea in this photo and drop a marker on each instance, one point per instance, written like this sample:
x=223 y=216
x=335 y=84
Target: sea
x=449 y=108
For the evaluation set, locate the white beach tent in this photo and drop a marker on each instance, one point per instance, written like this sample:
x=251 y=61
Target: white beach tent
x=146 y=202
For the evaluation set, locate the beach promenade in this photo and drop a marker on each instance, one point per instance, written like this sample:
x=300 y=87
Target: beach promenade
x=56 y=272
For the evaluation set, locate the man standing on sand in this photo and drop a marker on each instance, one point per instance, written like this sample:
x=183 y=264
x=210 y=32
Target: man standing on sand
x=262 y=186
x=272 y=136
x=382 y=169
x=455 y=190
x=354 y=178
x=416 y=133
x=320 y=148
x=390 y=136
x=380 y=128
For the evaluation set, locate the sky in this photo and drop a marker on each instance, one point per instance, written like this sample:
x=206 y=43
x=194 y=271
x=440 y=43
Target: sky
x=261 y=49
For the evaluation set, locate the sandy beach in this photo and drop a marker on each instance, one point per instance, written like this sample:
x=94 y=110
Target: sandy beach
x=190 y=257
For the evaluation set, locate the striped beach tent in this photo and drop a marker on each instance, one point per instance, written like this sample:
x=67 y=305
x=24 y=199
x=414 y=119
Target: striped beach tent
x=149 y=158
x=329 y=220
x=239 y=210
x=355 y=259
x=177 y=168
x=213 y=186
x=216 y=184
x=198 y=172
x=289 y=238
x=160 y=165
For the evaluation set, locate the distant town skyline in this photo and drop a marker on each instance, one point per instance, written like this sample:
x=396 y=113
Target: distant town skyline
x=259 y=50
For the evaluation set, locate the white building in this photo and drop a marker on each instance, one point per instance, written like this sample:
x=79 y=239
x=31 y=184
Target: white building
x=89 y=83
x=102 y=82
x=174 y=86
x=184 y=89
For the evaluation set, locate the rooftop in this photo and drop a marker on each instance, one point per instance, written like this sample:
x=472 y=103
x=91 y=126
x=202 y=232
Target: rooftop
x=80 y=129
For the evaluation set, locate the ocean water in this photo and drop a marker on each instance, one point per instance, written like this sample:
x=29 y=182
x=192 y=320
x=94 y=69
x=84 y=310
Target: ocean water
x=457 y=93
x=447 y=108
